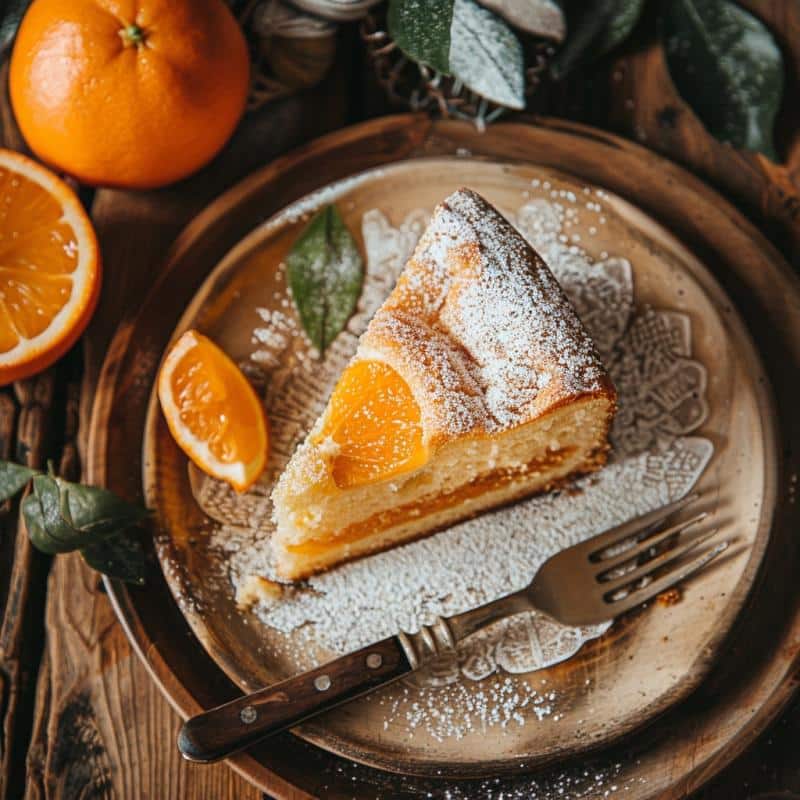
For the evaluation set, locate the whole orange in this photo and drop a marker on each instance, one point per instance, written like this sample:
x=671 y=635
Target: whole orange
x=132 y=93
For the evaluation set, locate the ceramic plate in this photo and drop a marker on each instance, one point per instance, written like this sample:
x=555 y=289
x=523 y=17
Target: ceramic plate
x=694 y=412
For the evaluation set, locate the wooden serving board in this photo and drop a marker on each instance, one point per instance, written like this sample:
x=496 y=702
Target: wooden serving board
x=741 y=694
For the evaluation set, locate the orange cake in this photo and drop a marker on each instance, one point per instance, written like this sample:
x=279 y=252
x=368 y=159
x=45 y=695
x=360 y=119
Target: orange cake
x=474 y=385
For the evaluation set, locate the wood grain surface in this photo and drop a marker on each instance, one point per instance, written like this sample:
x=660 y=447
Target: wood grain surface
x=100 y=728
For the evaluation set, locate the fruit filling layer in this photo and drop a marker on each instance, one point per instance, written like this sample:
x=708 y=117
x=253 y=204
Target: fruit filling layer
x=427 y=505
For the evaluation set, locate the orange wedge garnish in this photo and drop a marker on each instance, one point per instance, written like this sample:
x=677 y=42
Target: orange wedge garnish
x=49 y=267
x=375 y=422
x=213 y=412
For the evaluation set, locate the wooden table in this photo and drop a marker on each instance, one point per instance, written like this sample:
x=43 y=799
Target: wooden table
x=81 y=717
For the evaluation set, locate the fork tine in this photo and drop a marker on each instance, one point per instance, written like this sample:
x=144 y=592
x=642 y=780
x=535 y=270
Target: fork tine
x=606 y=565
x=615 y=535
x=661 y=560
x=639 y=596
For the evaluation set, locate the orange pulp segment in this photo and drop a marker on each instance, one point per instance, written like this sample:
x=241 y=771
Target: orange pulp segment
x=49 y=267
x=375 y=421
x=213 y=412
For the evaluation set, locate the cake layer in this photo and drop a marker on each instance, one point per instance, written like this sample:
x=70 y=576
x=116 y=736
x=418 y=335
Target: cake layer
x=462 y=480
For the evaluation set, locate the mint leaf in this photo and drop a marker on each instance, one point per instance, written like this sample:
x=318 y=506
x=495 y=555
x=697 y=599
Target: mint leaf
x=486 y=55
x=13 y=479
x=421 y=29
x=325 y=272
x=595 y=27
x=728 y=68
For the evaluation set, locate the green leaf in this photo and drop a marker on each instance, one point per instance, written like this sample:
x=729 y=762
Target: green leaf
x=325 y=273
x=486 y=55
x=37 y=533
x=62 y=516
x=98 y=511
x=465 y=40
x=11 y=14
x=13 y=479
x=48 y=527
x=421 y=29
x=119 y=556
x=727 y=67
x=595 y=27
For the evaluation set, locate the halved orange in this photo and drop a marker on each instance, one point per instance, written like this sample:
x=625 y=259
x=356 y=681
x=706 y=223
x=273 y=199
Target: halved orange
x=213 y=412
x=49 y=267
x=375 y=421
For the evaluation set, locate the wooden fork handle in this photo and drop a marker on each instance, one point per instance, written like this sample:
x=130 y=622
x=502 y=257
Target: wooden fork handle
x=232 y=727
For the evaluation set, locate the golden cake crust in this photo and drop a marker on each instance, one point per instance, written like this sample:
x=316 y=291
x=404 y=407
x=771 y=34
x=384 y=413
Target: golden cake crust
x=480 y=329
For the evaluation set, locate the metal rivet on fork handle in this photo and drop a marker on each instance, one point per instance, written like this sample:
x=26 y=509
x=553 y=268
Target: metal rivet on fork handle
x=322 y=683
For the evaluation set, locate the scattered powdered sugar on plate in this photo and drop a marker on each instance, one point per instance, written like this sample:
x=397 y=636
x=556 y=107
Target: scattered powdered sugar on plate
x=476 y=561
x=274 y=337
x=655 y=460
x=589 y=780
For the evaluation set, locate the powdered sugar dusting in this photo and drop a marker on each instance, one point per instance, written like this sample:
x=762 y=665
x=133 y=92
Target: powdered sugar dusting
x=485 y=316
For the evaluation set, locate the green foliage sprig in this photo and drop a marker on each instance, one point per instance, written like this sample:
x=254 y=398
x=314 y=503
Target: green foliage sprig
x=61 y=517
x=723 y=61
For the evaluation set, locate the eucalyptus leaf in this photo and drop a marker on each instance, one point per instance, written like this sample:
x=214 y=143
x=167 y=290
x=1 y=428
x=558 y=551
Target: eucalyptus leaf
x=595 y=27
x=421 y=29
x=486 y=55
x=120 y=556
x=726 y=65
x=13 y=479
x=11 y=14
x=325 y=272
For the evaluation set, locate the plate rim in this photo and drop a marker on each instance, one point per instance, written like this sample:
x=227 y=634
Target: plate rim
x=179 y=694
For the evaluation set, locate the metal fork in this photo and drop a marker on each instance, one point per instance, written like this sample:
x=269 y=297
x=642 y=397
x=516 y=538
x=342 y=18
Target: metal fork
x=587 y=584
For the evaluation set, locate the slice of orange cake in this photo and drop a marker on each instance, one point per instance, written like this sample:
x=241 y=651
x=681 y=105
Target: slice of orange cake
x=474 y=385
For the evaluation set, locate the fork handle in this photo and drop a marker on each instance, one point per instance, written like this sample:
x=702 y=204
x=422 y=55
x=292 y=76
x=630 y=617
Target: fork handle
x=232 y=727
